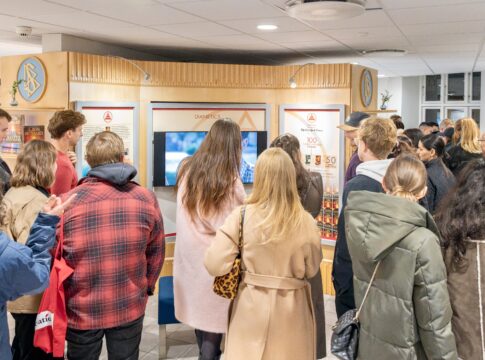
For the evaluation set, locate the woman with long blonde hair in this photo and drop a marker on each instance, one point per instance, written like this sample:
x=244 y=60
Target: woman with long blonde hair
x=392 y=236
x=34 y=173
x=208 y=189
x=271 y=316
x=468 y=148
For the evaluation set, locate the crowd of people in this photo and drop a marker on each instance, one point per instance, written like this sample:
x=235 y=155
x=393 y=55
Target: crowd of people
x=412 y=214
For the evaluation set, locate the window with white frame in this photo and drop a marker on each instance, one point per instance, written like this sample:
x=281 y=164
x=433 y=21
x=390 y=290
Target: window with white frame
x=452 y=96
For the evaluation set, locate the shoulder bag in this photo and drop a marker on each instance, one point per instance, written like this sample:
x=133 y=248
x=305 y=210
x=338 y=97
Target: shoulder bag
x=345 y=337
x=227 y=285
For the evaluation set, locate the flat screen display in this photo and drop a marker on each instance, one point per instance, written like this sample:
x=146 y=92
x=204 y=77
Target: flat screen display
x=170 y=148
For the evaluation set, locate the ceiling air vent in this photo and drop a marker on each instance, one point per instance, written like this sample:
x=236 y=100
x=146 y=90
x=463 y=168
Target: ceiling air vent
x=325 y=10
x=384 y=53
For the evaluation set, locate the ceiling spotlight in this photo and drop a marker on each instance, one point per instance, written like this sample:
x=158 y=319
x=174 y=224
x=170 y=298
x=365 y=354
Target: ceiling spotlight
x=267 y=27
x=292 y=80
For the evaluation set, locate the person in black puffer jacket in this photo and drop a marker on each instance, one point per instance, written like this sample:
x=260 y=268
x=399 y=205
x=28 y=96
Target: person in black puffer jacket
x=440 y=179
x=468 y=149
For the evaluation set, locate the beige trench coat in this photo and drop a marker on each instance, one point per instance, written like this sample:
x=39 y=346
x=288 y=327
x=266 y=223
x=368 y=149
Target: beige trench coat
x=23 y=204
x=272 y=316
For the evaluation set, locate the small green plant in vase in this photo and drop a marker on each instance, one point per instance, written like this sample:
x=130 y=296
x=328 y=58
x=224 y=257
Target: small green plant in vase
x=13 y=92
x=385 y=97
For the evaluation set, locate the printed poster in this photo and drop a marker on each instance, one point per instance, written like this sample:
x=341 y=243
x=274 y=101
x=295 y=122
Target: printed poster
x=119 y=120
x=319 y=137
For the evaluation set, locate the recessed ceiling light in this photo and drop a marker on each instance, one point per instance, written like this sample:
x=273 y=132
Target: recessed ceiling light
x=267 y=27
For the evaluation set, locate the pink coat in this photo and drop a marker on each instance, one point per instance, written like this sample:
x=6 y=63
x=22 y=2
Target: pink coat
x=195 y=302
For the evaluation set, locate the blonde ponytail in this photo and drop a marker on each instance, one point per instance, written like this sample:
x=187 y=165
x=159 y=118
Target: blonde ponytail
x=406 y=177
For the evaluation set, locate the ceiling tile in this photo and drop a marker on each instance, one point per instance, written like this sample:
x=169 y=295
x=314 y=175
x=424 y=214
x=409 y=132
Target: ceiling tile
x=400 y=4
x=444 y=28
x=81 y=20
x=363 y=33
x=246 y=42
x=451 y=39
x=314 y=45
x=228 y=9
x=9 y=23
x=375 y=18
x=27 y=8
x=197 y=30
x=295 y=36
x=147 y=14
x=249 y=26
x=441 y=14
x=97 y=4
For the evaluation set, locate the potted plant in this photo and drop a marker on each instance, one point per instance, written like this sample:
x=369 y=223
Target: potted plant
x=385 y=97
x=13 y=92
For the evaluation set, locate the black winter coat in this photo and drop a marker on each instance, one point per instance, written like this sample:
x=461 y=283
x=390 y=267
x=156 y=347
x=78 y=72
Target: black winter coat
x=311 y=199
x=459 y=158
x=440 y=182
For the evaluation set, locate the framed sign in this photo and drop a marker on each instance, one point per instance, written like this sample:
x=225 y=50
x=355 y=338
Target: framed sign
x=194 y=119
x=322 y=149
x=121 y=118
x=33 y=79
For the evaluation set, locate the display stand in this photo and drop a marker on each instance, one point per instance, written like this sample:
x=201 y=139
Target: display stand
x=120 y=117
x=199 y=117
x=322 y=148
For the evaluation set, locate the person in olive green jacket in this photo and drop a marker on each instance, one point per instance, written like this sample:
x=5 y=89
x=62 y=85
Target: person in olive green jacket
x=407 y=314
x=34 y=173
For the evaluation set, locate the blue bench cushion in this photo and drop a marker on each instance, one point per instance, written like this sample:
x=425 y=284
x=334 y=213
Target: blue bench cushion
x=166 y=310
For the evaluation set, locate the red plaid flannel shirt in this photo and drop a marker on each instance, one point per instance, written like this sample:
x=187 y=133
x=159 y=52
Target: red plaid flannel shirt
x=114 y=241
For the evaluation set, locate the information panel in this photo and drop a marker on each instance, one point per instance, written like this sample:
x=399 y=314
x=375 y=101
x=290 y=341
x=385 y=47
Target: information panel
x=121 y=119
x=321 y=146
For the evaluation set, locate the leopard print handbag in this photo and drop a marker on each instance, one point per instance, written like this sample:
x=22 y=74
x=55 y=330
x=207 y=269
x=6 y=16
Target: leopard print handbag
x=227 y=285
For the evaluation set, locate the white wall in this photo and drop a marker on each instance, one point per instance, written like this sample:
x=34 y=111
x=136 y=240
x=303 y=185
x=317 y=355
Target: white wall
x=410 y=101
x=394 y=86
x=405 y=98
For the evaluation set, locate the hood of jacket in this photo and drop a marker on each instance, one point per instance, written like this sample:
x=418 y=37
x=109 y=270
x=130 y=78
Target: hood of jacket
x=117 y=174
x=377 y=222
x=375 y=169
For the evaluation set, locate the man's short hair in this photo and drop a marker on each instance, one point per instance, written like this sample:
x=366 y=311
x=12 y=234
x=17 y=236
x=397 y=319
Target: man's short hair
x=4 y=114
x=379 y=135
x=104 y=148
x=63 y=121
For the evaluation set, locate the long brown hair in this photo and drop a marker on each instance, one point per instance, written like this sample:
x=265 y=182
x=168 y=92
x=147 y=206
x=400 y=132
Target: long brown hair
x=460 y=215
x=209 y=175
x=291 y=145
x=275 y=195
x=34 y=165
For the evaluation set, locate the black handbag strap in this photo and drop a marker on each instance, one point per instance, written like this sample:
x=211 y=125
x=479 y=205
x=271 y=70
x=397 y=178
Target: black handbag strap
x=357 y=314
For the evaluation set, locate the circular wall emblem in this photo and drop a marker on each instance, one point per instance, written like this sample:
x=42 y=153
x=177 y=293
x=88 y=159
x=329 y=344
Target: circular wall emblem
x=366 y=87
x=34 y=79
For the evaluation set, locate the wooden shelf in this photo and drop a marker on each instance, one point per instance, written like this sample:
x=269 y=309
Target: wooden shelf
x=380 y=111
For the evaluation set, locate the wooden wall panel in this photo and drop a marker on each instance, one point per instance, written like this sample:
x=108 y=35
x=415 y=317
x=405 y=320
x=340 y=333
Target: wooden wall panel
x=109 y=70
x=57 y=91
